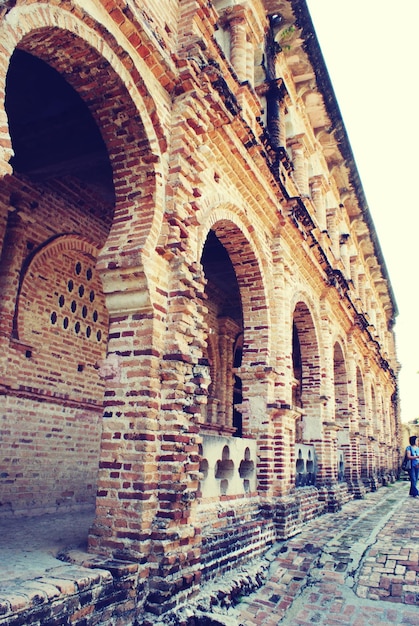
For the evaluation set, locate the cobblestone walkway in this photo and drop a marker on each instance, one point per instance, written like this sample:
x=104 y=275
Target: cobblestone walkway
x=357 y=567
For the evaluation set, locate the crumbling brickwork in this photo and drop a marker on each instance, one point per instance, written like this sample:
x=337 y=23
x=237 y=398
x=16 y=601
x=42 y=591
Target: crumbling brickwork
x=195 y=318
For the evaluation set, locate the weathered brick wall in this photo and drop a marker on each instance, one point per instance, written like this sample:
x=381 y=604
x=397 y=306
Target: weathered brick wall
x=234 y=533
x=79 y=596
x=58 y=322
x=49 y=457
x=107 y=326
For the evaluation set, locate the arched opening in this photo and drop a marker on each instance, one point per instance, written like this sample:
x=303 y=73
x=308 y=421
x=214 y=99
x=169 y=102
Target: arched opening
x=306 y=370
x=62 y=203
x=363 y=426
x=77 y=134
x=341 y=410
x=237 y=343
x=55 y=140
x=225 y=340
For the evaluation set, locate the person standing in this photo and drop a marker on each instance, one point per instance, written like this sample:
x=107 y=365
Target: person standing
x=412 y=452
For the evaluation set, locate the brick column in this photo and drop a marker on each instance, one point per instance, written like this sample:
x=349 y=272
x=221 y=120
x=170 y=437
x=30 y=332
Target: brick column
x=128 y=468
x=328 y=470
x=176 y=539
x=6 y=150
x=13 y=254
x=284 y=420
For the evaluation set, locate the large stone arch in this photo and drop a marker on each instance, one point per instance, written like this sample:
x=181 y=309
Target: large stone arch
x=117 y=91
x=250 y=269
x=82 y=52
x=308 y=377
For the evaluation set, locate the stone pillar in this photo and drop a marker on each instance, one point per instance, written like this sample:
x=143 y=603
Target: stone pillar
x=328 y=470
x=258 y=383
x=382 y=446
x=176 y=539
x=299 y=159
x=369 y=438
x=284 y=421
x=238 y=30
x=6 y=150
x=128 y=468
x=317 y=194
x=332 y=229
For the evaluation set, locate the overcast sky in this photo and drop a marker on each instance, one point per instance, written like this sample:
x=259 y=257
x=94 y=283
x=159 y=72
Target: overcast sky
x=372 y=54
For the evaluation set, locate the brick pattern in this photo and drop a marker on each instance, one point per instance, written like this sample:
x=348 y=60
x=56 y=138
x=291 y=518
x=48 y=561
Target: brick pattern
x=118 y=384
x=55 y=326
x=73 y=595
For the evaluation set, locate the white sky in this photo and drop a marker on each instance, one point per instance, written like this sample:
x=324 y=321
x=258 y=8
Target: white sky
x=371 y=51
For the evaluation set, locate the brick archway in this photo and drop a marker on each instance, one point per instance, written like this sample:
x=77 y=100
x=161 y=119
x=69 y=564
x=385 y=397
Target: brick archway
x=248 y=267
x=341 y=411
x=115 y=90
x=310 y=376
x=118 y=98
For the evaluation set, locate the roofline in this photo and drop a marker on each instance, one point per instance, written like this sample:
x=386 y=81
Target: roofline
x=312 y=48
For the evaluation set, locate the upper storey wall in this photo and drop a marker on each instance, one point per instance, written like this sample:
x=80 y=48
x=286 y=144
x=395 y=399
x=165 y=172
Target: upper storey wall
x=291 y=108
x=263 y=60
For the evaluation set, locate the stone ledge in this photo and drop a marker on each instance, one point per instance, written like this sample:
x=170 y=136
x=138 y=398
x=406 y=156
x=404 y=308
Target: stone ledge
x=76 y=586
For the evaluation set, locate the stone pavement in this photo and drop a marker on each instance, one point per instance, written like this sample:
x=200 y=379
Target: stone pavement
x=30 y=547
x=357 y=567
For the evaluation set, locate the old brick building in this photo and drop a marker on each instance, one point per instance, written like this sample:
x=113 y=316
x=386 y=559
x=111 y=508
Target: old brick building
x=195 y=317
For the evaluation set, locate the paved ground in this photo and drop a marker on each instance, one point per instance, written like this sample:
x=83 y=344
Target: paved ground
x=357 y=567
x=29 y=547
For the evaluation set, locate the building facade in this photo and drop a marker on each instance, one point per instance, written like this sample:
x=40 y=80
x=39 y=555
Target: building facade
x=196 y=316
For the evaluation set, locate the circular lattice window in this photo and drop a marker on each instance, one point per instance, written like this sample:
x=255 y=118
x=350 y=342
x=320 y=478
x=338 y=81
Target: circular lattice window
x=61 y=302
